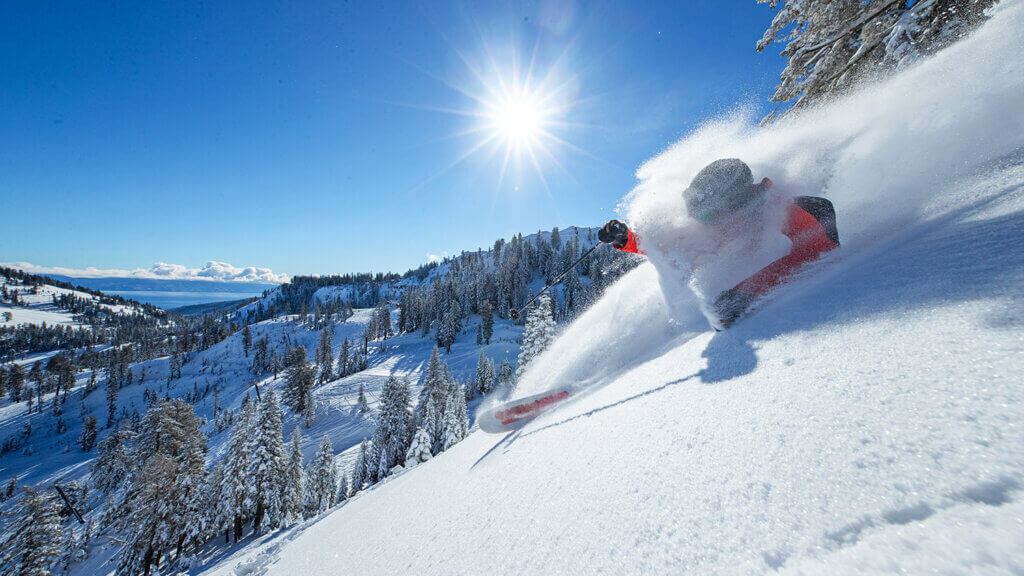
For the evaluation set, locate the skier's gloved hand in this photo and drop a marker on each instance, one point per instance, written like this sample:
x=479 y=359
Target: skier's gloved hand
x=730 y=305
x=615 y=233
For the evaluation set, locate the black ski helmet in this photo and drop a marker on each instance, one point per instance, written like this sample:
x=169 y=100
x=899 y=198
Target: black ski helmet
x=719 y=188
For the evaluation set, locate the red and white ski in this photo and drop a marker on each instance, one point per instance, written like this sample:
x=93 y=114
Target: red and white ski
x=510 y=415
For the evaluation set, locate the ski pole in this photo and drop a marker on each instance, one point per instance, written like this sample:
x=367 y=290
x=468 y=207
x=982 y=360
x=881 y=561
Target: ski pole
x=514 y=314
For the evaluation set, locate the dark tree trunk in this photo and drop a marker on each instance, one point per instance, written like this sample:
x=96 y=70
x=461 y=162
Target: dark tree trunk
x=258 y=519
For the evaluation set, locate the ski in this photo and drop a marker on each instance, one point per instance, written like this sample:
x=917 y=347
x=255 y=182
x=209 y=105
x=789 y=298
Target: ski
x=510 y=415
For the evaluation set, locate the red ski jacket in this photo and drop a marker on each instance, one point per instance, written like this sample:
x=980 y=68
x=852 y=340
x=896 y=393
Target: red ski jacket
x=810 y=225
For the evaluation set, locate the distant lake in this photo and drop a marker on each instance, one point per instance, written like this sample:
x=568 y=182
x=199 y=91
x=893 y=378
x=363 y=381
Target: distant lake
x=168 y=300
x=171 y=293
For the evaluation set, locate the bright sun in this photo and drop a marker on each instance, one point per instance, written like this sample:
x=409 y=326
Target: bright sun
x=519 y=120
x=519 y=113
x=517 y=123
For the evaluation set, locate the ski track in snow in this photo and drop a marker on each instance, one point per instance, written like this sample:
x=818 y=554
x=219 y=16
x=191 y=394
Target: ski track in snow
x=866 y=419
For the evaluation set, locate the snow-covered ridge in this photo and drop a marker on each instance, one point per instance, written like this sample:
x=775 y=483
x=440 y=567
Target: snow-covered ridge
x=36 y=306
x=349 y=292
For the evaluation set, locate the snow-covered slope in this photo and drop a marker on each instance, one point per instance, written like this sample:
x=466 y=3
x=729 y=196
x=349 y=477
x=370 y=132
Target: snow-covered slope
x=868 y=418
x=36 y=305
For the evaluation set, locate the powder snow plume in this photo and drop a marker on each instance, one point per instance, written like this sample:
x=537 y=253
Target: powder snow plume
x=880 y=154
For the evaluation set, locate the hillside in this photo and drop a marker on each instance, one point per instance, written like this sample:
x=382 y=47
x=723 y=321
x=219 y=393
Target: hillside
x=865 y=419
x=108 y=380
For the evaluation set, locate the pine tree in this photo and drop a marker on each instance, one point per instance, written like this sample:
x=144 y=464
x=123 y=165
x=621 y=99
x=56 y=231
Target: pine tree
x=298 y=389
x=540 y=331
x=292 y=499
x=419 y=450
x=382 y=316
x=237 y=490
x=487 y=314
x=456 y=418
x=391 y=436
x=321 y=488
x=32 y=542
x=432 y=401
x=361 y=403
x=343 y=359
x=449 y=328
x=111 y=402
x=505 y=373
x=268 y=462
x=36 y=374
x=87 y=439
x=246 y=339
x=325 y=355
x=165 y=494
x=215 y=507
x=359 y=475
x=484 y=380
x=15 y=383
x=112 y=463
x=343 y=489
x=835 y=44
x=68 y=549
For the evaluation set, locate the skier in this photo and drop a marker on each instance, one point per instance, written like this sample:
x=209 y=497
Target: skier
x=724 y=195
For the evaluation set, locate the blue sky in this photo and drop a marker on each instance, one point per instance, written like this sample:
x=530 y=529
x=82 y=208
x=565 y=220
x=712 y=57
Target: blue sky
x=333 y=136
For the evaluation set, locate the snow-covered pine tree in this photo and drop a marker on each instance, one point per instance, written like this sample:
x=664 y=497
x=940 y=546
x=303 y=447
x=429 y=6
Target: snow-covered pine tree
x=361 y=400
x=433 y=379
x=268 y=462
x=834 y=44
x=32 y=540
x=487 y=321
x=292 y=498
x=216 y=509
x=88 y=532
x=68 y=549
x=382 y=463
x=246 y=339
x=382 y=315
x=456 y=419
x=359 y=476
x=325 y=354
x=505 y=373
x=419 y=450
x=391 y=436
x=484 y=379
x=87 y=439
x=110 y=469
x=111 y=402
x=237 y=490
x=436 y=387
x=15 y=383
x=540 y=331
x=321 y=489
x=449 y=327
x=297 y=393
x=344 y=359
x=343 y=488
x=165 y=493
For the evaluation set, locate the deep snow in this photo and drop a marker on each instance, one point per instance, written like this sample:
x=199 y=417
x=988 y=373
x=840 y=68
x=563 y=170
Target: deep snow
x=867 y=418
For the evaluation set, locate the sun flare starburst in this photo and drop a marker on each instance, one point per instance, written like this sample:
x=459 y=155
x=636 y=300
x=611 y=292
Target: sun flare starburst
x=516 y=107
x=518 y=119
